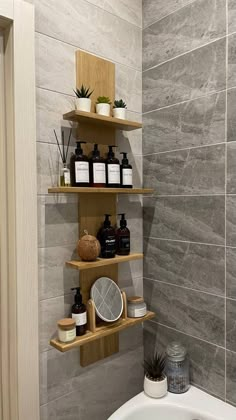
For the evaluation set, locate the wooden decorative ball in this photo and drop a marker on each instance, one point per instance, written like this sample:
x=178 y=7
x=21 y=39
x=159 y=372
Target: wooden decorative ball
x=88 y=247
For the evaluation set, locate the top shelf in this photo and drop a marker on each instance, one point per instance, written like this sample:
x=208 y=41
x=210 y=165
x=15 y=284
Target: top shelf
x=101 y=120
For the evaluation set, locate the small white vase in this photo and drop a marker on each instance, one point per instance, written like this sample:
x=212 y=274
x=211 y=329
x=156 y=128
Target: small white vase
x=119 y=113
x=83 y=104
x=103 y=109
x=155 y=389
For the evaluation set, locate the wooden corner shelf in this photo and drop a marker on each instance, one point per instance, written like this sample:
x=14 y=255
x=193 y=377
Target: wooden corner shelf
x=102 y=262
x=101 y=120
x=90 y=190
x=101 y=331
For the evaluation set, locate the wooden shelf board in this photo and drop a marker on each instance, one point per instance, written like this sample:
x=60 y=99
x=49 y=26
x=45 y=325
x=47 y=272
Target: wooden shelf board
x=102 y=331
x=101 y=262
x=101 y=120
x=88 y=190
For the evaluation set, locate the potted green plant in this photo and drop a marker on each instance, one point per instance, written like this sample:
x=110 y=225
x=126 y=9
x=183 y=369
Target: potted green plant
x=83 y=101
x=119 y=109
x=155 y=381
x=103 y=105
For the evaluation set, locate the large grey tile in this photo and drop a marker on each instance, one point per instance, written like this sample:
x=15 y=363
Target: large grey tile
x=197 y=219
x=194 y=123
x=230 y=324
x=154 y=10
x=231 y=220
x=231 y=376
x=193 y=171
x=81 y=404
x=192 y=312
x=130 y=10
x=200 y=267
x=192 y=26
x=108 y=34
x=231 y=272
x=231 y=168
x=129 y=271
x=231 y=112
x=192 y=75
x=129 y=87
x=231 y=16
x=57 y=221
x=207 y=361
x=232 y=61
x=130 y=141
x=55 y=279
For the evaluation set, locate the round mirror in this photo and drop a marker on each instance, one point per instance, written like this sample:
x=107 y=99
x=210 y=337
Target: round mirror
x=107 y=299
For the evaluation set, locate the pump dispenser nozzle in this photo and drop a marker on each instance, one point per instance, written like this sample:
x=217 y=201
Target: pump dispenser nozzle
x=107 y=222
x=125 y=159
x=95 y=151
x=79 y=149
x=110 y=152
x=77 y=297
x=123 y=222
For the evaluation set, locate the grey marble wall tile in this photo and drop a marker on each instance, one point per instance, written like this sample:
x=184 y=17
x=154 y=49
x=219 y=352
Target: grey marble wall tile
x=231 y=272
x=191 y=27
x=50 y=311
x=231 y=220
x=187 y=77
x=200 y=267
x=207 y=361
x=55 y=279
x=231 y=16
x=194 y=123
x=231 y=112
x=129 y=271
x=84 y=405
x=192 y=312
x=231 y=376
x=193 y=171
x=55 y=64
x=57 y=221
x=197 y=219
x=130 y=10
x=230 y=324
x=108 y=34
x=132 y=287
x=232 y=61
x=231 y=168
x=130 y=141
x=154 y=10
x=129 y=87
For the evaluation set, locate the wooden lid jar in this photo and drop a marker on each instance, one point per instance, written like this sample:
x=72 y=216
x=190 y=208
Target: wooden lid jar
x=66 y=330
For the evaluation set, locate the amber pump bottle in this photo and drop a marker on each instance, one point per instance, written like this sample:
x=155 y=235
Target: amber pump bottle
x=112 y=169
x=97 y=169
x=79 y=313
x=107 y=239
x=126 y=172
x=79 y=167
x=123 y=237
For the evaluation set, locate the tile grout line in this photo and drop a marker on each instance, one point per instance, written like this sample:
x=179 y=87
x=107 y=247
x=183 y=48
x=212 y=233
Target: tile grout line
x=184 y=148
x=189 y=242
x=226 y=170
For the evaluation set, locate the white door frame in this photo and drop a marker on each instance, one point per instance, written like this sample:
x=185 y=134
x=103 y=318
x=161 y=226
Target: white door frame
x=19 y=358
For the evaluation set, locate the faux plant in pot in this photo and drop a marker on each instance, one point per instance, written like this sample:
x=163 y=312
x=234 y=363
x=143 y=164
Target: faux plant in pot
x=119 y=109
x=83 y=101
x=155 y=381
x=103 y=105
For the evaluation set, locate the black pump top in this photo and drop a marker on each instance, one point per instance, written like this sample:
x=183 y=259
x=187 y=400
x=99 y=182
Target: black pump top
x=107 y=222
x=125 y=159
x=78 y=297
x=111 y=154
x=79 y=150
x=96 y=152
x=123 y=222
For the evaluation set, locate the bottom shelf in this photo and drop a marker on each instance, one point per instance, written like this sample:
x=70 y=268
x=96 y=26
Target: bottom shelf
x=101 y=331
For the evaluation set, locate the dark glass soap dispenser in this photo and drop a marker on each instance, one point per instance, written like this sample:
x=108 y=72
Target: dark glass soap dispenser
x=123 y=237
x=126 y=172
x=112 y=169
x=97 y=169
x=107 y=239
x=79 y=167
x=79 y=313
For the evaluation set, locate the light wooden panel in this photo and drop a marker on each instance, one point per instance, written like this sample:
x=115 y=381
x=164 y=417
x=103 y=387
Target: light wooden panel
x=107 y=191
x=101 y=120
x=102 y=262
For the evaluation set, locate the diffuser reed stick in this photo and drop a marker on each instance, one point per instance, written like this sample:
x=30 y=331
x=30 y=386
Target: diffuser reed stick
x=63 y=154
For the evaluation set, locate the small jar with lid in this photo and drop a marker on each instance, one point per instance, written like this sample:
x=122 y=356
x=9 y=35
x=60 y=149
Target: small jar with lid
x=177 y=368
x=137 y=308
x=66 y=330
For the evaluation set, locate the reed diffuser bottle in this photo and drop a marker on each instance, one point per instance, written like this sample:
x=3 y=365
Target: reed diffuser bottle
x=64 y=171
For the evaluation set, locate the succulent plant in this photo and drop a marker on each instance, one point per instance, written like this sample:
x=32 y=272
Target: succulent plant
x=103 y=100
x=119 y=104
x=154 y=367
x=83 y=92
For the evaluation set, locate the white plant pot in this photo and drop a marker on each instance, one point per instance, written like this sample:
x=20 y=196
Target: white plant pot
x=103 y=109
x=83 y=104
x=119 y=113
x=155 y=389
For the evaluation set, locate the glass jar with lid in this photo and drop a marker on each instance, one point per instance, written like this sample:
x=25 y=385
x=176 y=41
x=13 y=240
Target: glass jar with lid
x=177 y=368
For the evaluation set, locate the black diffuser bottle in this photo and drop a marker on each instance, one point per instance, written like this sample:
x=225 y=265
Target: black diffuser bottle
x=79 y=313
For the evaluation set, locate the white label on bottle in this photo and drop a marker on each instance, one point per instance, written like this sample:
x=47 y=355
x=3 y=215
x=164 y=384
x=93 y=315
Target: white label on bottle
x=113 y=173
x=127 y=178
x=99 y=173
x=81 y=172
x=67 y=178
x=80 y=319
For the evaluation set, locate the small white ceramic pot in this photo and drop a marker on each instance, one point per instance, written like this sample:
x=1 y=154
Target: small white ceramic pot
x=83 y=104
x=103 y=109
x=119 y=113
x=155 y=389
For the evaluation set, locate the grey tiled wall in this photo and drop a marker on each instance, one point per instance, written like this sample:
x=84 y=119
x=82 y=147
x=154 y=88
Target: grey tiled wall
x=189 y=134
x=111 y=30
